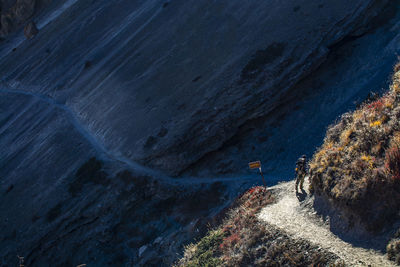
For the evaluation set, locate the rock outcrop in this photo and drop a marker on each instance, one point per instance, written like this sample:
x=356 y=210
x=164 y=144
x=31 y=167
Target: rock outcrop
x=15 y=13
x=30 y=30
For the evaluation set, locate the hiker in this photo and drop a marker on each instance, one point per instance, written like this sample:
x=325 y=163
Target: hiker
x=300 y=172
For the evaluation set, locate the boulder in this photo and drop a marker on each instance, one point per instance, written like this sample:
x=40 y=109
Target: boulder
x=14 y=14
x=30 y=30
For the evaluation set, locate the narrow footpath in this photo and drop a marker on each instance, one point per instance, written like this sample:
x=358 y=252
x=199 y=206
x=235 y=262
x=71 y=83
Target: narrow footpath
x=301 y=222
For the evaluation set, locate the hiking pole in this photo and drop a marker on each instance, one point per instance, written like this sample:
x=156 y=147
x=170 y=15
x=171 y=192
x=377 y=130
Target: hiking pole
x=257 y=165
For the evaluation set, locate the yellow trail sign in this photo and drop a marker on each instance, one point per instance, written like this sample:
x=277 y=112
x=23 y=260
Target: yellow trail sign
x=255 y=165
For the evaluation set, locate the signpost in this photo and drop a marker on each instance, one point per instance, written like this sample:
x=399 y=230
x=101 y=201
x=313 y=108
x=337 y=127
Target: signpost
x=257 y=165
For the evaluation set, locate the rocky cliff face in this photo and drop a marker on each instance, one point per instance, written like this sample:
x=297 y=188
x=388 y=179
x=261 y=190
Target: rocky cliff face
x=166 y=88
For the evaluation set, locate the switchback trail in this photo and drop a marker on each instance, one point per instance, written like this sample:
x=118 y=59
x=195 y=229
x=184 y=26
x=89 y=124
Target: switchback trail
x=301 y=222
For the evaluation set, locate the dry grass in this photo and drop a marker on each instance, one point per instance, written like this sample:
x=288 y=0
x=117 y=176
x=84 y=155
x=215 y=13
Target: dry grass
x=225 y=244
x=392 y=162
x=243 y=241
x=358 y=166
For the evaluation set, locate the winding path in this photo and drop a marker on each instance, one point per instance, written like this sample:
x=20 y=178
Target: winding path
x=6 y=88
x=302 y=223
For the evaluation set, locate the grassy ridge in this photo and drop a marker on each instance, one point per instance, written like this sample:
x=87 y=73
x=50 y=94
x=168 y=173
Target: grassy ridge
x=358 y=165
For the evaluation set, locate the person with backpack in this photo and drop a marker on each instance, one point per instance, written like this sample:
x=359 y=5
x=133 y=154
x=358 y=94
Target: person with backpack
x=300 y=172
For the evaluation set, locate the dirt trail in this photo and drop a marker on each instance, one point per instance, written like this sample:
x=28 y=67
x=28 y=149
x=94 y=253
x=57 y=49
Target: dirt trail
x=301 y=222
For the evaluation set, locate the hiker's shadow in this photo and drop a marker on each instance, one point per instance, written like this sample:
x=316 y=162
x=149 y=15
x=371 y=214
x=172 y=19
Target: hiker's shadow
x=301 y=196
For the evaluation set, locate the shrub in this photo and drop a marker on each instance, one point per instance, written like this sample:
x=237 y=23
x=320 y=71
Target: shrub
x=210 y=242
x=216 y=247
x=369 y=160
x=396 y=88
x=392 y=162
x=205 y=252
x=375 y=123
x=347 y=136
x=230 y=241
x=377 y=105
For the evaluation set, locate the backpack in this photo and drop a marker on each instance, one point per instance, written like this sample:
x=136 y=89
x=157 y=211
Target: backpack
x=301 y=165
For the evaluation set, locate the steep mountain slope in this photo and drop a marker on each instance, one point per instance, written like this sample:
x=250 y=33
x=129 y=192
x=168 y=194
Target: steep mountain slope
x=111 y=97
x=353 y=68
x=154 y=83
